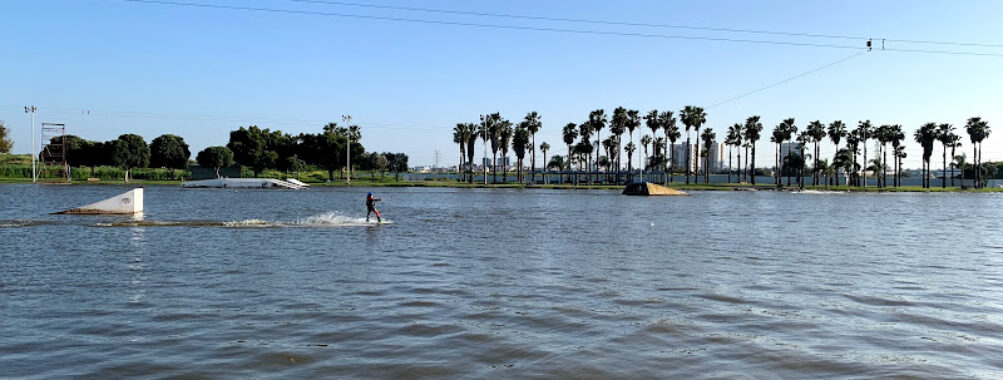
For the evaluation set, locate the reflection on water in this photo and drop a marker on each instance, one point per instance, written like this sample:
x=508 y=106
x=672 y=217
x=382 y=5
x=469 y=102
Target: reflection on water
x=501 y=283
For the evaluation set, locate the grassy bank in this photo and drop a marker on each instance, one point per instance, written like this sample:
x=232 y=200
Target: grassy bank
x=366 y=182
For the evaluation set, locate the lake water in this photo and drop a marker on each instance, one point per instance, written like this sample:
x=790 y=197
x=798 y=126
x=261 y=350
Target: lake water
x=481 y=283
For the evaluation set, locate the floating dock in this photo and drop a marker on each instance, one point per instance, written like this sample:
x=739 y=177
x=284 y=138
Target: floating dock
x=245 y=183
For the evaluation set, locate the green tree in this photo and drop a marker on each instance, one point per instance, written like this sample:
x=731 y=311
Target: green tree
x=864 y=129
x=816 y=130
x=752 y=130
x=6 y=143
x=617 y=127
x=693 y=117
x=671 y=130
x=633 y=122
x=471 y=143
x=169 y=151
x=651 y=121
x=978 y=130
x=734 y=138
x=569 y=134
x=597 y=121
x=836 y=131
x=294 y=164
x=460 y=138
x=544 y=147
x=925 y=136
x=520 y=141
x=380 y=162
x=504 y=139
x=215 y=157
x=944 y=136
x=708 y=137
x=533 y=124
x=130 y=151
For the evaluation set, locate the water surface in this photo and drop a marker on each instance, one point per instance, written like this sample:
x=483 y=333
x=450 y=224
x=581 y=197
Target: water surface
x=501 y=283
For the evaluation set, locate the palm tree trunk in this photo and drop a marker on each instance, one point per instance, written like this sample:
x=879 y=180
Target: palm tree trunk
x=696 y=160
x=729 y=163
x=975 y=159
x=532 y=160
x=952 y=165
x=776 y=165
x=865 y=162
x=688 y=149
x=752 y=165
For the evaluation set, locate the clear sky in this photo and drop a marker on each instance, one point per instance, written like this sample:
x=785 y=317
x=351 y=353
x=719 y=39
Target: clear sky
x=201 y=72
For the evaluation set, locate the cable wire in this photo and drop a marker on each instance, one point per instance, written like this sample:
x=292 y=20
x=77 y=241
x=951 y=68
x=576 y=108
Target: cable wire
x=639 y=24
x=817 y=69
x=558 y=30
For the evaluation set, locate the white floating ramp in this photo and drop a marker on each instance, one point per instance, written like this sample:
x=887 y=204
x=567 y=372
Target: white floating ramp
x=243 y=183
x=130 y=202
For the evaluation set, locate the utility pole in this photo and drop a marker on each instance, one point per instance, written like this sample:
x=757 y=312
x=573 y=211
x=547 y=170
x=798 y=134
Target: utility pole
x=31 y=110
x=347 y=119
x=435 y=169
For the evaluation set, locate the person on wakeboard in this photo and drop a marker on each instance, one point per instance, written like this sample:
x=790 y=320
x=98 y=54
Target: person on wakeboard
x=371 y=208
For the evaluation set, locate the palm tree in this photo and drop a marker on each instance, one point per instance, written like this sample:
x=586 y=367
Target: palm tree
x=617 y=126
x=978 y=130
x=520 y=141
x=837 y=130
x=882 y=134
x=841 y=160
x=672 y=134
x=651 y=121
x=471 y=143
x=633 y=122
x=803 y=138
x=777 y=137
x=645 y=141
x=864 y=133
x=460 y=137
x=925 y=136
x=585 y=131
x=896 y=136
x=532 y=124
x=610 y=147
x=630 y=148
x=692 y=117
x=570 y=134
x=960 y=163
x=735 y=139
x=954 y=144
x=944 y=132
x=504 y=138
x=816 y=130
x=899 y=155
x=789 y=131
x=853 y=146
x=486 y=131
x=597 y=121
x=752 y=129
x=657 y=159
x=556 y=162
x=708 y=141
x=544 y=147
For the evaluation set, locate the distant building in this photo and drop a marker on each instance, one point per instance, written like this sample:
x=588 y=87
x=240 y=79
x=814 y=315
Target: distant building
x=502 y=161
x=717 y=156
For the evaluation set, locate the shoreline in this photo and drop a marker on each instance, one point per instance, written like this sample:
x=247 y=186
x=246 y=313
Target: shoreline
x=453 y=184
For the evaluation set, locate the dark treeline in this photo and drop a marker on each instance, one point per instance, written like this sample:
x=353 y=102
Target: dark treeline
x=252 y=147
x=600 y=160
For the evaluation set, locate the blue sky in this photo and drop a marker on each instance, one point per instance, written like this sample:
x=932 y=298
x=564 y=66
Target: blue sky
x=153 y=69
